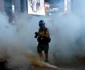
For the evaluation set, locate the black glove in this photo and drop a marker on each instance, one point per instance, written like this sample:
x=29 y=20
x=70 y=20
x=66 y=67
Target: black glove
x=39 y=39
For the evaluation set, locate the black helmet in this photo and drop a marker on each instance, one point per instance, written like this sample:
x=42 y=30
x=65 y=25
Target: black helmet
x=41 y=22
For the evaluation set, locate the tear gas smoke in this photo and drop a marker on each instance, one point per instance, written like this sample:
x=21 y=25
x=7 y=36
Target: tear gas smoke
x=17 y=42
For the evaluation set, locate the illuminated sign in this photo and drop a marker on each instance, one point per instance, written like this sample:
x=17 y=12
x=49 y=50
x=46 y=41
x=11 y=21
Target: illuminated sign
x=67 y=7
x=36 y=7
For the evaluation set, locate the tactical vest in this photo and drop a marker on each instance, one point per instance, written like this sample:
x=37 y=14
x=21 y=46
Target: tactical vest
x=45 y=39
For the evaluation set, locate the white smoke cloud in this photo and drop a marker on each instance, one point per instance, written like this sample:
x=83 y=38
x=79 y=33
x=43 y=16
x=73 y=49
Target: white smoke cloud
x=66 y=31
x=17 y=42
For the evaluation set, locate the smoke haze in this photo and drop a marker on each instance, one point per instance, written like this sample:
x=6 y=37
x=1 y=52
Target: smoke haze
x=17 y=41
